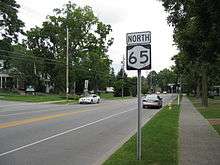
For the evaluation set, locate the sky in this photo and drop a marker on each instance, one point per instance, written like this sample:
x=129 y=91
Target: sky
x=124 y=16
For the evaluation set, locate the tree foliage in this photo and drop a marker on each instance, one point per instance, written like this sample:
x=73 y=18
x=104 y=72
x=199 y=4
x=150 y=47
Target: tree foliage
x=10 y=27
x=88 y=46
x=197 y=35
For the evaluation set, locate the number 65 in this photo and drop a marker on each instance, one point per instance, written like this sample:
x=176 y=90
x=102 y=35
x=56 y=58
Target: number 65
x=143 y=54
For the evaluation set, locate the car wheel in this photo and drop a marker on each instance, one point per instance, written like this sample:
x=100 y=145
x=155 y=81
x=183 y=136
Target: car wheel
x=98 y=101
x=91 y=101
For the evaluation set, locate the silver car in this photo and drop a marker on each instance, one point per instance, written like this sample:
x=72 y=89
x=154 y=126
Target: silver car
x=152 y=100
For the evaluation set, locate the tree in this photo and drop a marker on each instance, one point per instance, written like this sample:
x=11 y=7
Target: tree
x=88 y=46
x=10 y=27
x=166 y=77
x=152 y=80
x=121 y=82
x=196 y=33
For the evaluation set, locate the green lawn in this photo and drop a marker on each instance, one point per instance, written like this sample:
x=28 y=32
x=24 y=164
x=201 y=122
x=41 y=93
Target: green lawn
x=210 y=112
x=159 y=142
x=9 y=96
x=217 y=128
x=110 y=96
x=30 y=98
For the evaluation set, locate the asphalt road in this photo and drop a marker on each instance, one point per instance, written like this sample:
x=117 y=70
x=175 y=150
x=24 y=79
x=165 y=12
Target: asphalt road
x=50 y=134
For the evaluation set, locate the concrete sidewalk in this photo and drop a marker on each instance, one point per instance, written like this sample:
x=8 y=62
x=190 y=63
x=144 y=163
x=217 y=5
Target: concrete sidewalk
x=199 y=142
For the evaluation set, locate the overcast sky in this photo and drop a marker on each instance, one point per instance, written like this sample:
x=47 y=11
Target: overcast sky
x=124 y=16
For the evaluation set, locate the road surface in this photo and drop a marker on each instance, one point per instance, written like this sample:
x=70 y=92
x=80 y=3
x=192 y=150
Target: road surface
x=50 y=134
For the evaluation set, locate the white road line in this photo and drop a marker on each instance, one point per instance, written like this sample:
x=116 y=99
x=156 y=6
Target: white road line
x=62 y=133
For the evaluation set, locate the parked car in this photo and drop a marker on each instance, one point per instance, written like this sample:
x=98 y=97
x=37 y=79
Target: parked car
x=164 y=92
x=91 y=99
x=152 y=101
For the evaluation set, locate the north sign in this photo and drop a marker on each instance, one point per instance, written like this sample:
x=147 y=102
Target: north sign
x=138 y=38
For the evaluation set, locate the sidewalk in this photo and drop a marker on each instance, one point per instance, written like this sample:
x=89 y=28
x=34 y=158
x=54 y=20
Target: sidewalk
x=199 y=142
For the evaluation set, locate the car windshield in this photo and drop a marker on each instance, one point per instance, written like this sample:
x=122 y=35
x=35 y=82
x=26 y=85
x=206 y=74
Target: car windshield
x=91 y=96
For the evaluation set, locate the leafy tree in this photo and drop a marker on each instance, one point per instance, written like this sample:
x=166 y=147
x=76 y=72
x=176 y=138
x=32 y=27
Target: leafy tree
x=133 y=85
x=166 y=77
x=121 y=82
x=10 y=27
x=10 y=24
x=196 y=33
x=152 y=80
x=88 y=45
x=112 y=78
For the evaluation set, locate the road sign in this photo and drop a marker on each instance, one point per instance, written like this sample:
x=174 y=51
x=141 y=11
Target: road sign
x=1 y=64
x=138 y=50
x=138 y=38
x=86 y=85
x=139 y=57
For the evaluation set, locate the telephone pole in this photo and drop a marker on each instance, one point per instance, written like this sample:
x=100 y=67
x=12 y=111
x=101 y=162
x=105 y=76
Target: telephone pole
x=67 y=63
x=123 y=73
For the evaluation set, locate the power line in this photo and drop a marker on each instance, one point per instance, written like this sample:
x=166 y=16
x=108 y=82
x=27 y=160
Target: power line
x=45 y=60
x=33 y=57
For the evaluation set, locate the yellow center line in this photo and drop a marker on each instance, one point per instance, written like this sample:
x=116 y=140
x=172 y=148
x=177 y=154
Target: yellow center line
x=37 y=119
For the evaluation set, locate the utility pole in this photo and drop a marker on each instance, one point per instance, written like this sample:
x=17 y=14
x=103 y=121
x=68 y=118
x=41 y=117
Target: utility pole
x=179 y=90
x=67 y=63
x=123 y=73
x=74 y=88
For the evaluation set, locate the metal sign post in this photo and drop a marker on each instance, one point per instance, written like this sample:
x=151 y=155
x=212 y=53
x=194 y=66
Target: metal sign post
x=138 y=57
x=139 y=116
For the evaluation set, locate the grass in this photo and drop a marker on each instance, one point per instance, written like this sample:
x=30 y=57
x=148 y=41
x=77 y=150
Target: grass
x=210 y=112
x=28 y=98
x=110 y=96
x=217 y=128
x=159 y=142
x=9 y=96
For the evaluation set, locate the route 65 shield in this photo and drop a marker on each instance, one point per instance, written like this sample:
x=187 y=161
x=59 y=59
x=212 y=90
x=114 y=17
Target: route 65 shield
x=138 y=57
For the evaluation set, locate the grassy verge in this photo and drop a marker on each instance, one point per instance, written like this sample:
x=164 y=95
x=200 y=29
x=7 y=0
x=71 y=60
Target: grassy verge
x=159 y=142
x=36 y=98
x=110 y=96
x=217 y=128
x=210 y=112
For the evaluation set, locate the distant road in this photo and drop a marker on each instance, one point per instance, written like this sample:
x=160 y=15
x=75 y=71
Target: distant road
x=50 y=134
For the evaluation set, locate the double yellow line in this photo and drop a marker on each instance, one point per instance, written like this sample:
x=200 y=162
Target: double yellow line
x=37 y=119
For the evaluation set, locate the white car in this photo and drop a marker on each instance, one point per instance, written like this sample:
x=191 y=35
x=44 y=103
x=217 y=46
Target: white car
x=91 y=99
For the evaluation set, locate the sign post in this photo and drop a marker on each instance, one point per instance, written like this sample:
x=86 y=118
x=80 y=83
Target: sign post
x=138 y=57
x=139 y=116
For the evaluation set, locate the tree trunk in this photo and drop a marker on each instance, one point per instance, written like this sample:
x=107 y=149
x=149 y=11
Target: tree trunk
x=204 y=86
x=198 y=89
